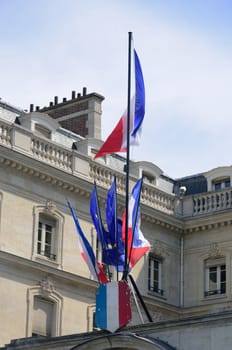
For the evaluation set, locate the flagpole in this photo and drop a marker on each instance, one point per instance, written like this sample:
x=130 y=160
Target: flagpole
x=125 y=272
x=116 y=223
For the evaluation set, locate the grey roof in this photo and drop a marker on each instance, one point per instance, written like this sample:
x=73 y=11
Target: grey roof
x=194 y=184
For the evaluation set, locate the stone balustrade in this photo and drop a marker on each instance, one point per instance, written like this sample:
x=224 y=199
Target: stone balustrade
x=150 y=195
x=157 y=199
x=105 y=176
x=5 y=134
x=212 y=202
x=22 y=140
x=51 y=153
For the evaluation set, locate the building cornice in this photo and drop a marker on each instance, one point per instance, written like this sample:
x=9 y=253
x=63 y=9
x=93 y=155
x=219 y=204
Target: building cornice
x=34 y=267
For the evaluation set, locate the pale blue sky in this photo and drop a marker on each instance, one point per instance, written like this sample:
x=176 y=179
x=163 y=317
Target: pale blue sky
x=51 y=47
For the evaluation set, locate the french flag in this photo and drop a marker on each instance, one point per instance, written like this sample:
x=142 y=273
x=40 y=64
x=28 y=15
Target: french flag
x=113 y=309
x=87 y=253
x=117 y=140
x=138 y=245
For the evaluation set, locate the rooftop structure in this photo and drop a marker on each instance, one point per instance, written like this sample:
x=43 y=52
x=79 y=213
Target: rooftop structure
x=47 y=156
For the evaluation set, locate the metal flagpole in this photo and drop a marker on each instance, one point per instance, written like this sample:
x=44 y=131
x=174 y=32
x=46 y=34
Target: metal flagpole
x=136 y=302
x=125 y=272
x=141 y=299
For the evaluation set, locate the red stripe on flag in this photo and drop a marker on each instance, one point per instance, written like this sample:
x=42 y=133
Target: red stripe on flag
x=124 y=303
x=114 y=142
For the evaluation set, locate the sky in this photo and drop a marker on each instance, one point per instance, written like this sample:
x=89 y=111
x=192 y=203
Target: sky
x=51 y=47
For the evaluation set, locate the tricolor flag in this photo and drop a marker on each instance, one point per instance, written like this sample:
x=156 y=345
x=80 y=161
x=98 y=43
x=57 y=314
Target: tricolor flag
x=137 y=244
x=117 y=251
x=87 y=251
x=117 y=140
x=111 y=240
x=113 y=309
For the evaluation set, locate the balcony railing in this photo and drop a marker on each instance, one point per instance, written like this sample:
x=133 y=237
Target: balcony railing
x=212 y=202
x=24 y=141
x=214 y=292
x=51 y=153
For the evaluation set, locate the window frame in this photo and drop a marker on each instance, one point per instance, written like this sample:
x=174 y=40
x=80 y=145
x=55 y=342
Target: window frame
x=45 y=291
x=49 y=214
x=46 y=303
x=216 y=268
x=47 y=244
x=221 y=183
x=152 y=259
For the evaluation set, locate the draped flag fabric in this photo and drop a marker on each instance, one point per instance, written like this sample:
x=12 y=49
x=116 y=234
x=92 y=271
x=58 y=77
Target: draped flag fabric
x=137 y=244
x=111 y=240
x=117 y=251
x=113 y=309
x=102 y=234
x=117 y=140
x=87 y=251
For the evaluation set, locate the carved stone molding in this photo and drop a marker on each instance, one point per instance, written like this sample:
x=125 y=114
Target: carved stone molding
x=159 y=249
x=214 y=251
x=50 y=206
x=47 y=286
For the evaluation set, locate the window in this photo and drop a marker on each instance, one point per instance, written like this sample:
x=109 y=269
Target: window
x=48 y=230
x=148 y=178
x=219 y=184
x=154 y=275
x=215 y=271
x=41 y=130
x=46 y=237
x=43 y=311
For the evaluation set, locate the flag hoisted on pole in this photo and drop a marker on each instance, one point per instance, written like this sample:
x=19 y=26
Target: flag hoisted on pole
x=137 y=244
x=112 y=300
x=87 y=251
x=127 y=131
x=117 y=140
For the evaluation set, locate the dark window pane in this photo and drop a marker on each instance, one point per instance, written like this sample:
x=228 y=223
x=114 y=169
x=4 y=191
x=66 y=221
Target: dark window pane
x=218 y=186
x=38 y=247
x=227 y=183
x=223 y=287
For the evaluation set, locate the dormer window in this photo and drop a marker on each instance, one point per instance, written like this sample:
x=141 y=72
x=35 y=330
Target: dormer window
x=148 y=178
x=41 y=130
x=219 y=184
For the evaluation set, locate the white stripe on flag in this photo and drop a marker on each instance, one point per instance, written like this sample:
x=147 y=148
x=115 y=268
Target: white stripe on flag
x=112 y=306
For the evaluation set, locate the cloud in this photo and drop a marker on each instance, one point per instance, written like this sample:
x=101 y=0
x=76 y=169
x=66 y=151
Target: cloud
x=52 y=47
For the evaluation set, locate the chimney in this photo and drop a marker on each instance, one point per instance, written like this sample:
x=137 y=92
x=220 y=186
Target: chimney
x=37 y=108
x=73 y=94
x=84 y=91
x=55 y=100
x=31 y=107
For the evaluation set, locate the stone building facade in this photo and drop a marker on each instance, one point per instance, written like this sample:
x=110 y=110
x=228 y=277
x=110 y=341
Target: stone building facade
x=46 y=289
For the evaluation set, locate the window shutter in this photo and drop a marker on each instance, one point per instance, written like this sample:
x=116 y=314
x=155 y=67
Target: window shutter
x=42 y=317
